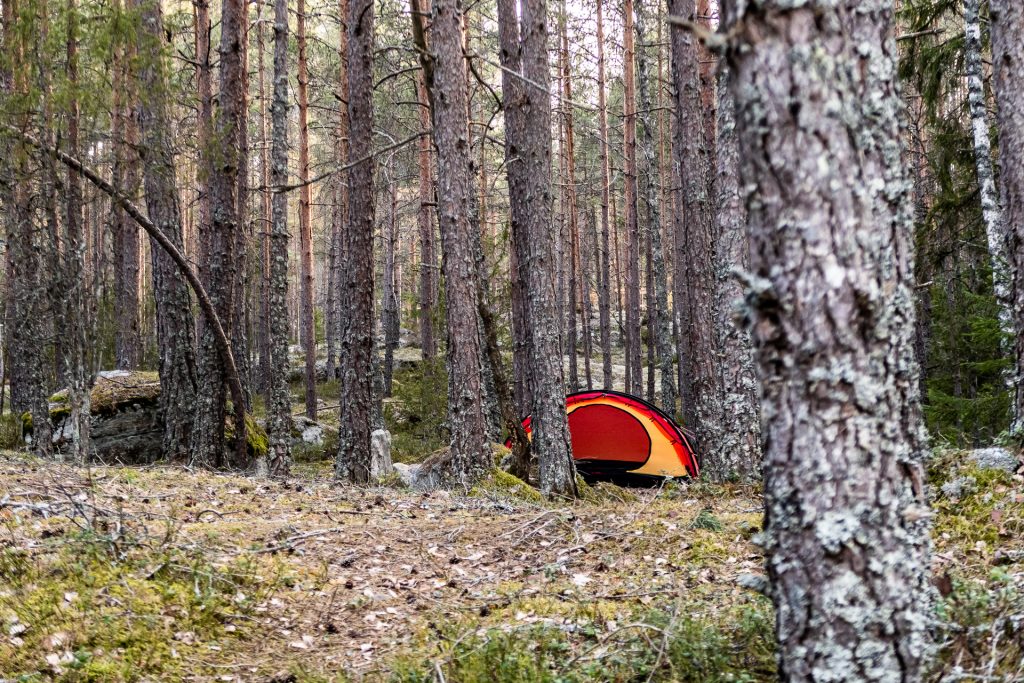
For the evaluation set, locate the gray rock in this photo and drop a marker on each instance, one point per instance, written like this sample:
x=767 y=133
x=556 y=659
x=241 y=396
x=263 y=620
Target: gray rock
x=994 y=458
x=380 y=454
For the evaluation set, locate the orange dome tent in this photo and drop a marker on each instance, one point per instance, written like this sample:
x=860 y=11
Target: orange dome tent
x=618 y=437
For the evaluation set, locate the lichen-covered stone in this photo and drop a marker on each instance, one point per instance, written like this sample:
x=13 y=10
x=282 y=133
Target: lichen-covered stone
x=994 y=458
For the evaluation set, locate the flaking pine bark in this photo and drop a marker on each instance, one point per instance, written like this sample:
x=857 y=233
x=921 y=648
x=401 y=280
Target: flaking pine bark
x=449 y=108
x=357 y=287
x=523 y=46
x=306 y=325
x=634 y=376
x=175 y=323
x=695 y=259
x=1008 y=70
x=604 y=276
x=279 y=419
x=832 y=317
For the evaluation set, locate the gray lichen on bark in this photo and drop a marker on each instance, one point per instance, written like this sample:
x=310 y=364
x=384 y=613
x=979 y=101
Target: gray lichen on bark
x=833 y=323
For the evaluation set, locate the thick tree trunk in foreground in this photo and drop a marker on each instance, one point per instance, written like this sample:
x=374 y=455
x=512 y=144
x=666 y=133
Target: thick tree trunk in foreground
x=1008 y=68
x=262 y=376
x=995 y=229
x=604 y=277
x=175 y=323
x=832 y=311
x=307 y=332
x=449 y=106
x=739 y=439
x=279 y=408
x=353 y=462
x=219 y=265
x=634 y=376
x=528 y=150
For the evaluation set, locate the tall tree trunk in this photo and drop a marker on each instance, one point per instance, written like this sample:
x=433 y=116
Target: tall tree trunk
x=695 y=271
x=634 y=376
x=604 y=281
x=995 y=229
x=353 y=462
x=573 y=232
x=219 y=265
x=25 y=244
x=125 y=134
x=740 y=436
x=658 y=314
x=340 y=217
x=425 y=217
x=75 y=331
x=240 y=309
x=175 y=323
x=204 y=118
x=263 y=324
x=523 y=49
x=307 y=332
x=445 y=71
x=1008 y=69
x=390 y=322
x=831 y=300
x=279 y=419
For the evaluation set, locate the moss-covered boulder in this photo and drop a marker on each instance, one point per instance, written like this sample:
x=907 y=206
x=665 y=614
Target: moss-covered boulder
x=126 y=423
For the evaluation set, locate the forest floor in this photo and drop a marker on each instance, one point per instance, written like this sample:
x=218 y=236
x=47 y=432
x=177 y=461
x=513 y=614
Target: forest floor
x=161 y=573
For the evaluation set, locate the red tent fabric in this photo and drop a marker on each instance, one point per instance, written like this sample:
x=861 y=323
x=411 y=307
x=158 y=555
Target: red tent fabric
x=622 y=438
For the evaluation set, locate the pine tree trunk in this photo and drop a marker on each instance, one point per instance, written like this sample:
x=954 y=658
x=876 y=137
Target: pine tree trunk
x=449 y=106
x=658 y=315
x=263 y=325
x=125 y=134
x=240 y=310
x=279 y=419
x=175 y=323
x=219 y=266
x=528 y=149
x=573 y=262
x=695 y=267
x=995 y=228
x=634 y=375
x=389 y=304
x=25 y=287
x=357 y=372
x=338 y=230
x=306 y=328
x=604 y=281
x=76 y=366
x=425 y=216
x=1008 y=69
x=832 y=307
x=740 y=436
